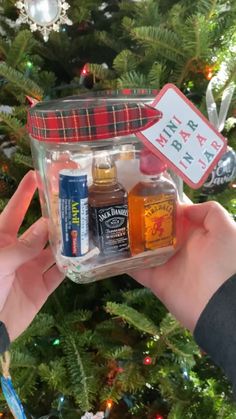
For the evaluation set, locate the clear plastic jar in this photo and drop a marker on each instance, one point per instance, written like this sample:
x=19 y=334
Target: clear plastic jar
x=88 y=186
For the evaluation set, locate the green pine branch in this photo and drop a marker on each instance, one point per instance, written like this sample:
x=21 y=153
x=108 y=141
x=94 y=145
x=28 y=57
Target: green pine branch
x=3 y=47
x=123 y=352
x=21 y=46
x=163 y=41
x=104 y=38
x=99 y=71
x=132 y=79
x=128 y=24
x=132 y=317
x=3 y=203
x=22 y=159
x=131 y=379
x=82 y=371
x=78 y=316
x=41 y=326
x=16 y=78
x=55 y=375
x=113 y=393
x=148 y=13
x=125 y=61
x=138 y=295
x=157 y=75
x=22 y=359
x=169 y=326
x=177 y=411
x=15 y=127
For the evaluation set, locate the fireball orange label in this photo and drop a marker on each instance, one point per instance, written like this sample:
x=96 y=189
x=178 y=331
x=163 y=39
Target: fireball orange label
x=159 y=223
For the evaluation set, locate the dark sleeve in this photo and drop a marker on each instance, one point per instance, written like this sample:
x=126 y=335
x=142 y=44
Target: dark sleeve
x=215 y=331
x=4 y=338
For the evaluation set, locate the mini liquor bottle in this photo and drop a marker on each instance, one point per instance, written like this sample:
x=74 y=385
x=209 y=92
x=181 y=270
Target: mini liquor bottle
x=152 y=207
x=127 y=164
x=108 y=208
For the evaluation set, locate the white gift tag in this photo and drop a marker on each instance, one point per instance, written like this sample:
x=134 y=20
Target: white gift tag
x=183 y=138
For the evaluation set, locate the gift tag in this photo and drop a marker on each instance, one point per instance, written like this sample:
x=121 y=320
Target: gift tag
x=183 y=138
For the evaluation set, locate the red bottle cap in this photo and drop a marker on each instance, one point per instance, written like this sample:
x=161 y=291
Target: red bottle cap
x=150 y=164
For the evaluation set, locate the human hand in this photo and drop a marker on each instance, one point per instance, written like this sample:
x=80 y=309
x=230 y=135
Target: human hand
x=28 y=274
x=206 y=259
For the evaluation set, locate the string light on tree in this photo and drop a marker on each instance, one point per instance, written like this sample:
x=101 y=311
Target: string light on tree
x=209 y=71
x=109 y=405
x=5 y=168
x=85 y=72
x=147 y=360
x=29 y=64
x=185 y=374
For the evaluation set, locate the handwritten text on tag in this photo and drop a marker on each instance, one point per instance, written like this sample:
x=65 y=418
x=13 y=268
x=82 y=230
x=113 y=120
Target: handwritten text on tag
x=186 y=140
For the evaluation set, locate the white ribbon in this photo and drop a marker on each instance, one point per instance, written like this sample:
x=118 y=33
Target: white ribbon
x=218 y=120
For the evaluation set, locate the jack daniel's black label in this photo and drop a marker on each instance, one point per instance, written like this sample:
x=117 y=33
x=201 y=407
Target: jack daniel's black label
x=110 y=228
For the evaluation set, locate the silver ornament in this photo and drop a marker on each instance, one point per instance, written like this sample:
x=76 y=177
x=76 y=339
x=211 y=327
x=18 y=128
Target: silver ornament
x=43 y=15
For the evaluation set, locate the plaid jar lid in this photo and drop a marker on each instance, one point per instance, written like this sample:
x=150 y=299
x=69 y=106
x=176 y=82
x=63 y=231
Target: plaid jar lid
x=83 y=118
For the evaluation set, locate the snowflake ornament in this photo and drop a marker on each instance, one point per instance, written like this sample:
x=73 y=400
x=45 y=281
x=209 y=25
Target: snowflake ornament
x=43 y=15
x=89 y=415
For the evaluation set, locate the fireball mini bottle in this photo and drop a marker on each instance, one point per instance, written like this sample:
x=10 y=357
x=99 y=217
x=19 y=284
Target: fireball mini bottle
x=152 y=207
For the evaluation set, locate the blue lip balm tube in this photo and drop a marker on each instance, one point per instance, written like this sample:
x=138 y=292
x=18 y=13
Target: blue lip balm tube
x=73 y=201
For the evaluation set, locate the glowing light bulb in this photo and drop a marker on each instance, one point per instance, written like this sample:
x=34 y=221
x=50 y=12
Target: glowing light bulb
x=147 y=360
x=109 y=404
x=29 y=64
x=85 y=70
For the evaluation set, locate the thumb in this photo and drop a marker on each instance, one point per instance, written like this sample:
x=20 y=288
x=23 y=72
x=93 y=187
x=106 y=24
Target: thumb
x=27 y=247
x=210 y=215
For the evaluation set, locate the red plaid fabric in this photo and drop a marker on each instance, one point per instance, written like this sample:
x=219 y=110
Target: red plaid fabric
x=64 y=122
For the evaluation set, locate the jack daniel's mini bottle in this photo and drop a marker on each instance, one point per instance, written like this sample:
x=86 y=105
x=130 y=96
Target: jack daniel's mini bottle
x=108 y=208
x=152 y=207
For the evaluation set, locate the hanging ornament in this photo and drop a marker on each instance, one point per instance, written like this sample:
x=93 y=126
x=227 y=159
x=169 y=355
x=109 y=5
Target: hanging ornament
x=8 y=390
x=43 y=15
x=225 y=170
x=114 y=369
x=222 y=175
x=218 y=119
x=89 y=415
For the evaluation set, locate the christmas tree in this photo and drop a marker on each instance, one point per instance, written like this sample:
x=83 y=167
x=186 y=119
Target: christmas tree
x=111 y=346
